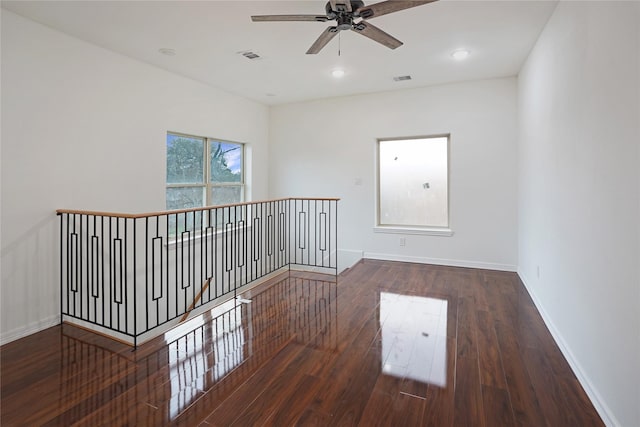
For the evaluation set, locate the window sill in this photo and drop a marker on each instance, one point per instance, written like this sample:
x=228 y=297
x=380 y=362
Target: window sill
x=446 y=232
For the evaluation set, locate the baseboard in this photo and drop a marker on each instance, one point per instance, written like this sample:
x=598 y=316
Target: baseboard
x=603 y=410
x=441 y=261
x=32 y=328
x=347 y=258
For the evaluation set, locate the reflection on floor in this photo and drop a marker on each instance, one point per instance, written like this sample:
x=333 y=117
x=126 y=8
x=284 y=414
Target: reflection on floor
x=298 y=309
x=414 y=337
x=384 y=344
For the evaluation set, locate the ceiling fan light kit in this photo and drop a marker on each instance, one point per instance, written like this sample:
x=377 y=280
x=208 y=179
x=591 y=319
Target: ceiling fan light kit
x=349 y=15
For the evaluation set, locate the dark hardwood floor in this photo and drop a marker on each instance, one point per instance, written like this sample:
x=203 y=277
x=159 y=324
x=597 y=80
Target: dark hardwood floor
x=389 y=344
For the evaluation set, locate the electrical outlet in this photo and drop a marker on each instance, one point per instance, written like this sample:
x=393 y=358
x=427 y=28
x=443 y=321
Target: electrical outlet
x=538 y=271
x=403 y=241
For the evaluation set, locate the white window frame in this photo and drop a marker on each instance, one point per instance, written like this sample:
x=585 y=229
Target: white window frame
x=207 y=185
x=413 y=229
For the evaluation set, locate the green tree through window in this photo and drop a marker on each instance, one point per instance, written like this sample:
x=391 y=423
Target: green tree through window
x=193 y=181
x=220 y=170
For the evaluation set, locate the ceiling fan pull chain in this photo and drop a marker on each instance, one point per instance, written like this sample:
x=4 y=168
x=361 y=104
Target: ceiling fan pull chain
x=339 y=43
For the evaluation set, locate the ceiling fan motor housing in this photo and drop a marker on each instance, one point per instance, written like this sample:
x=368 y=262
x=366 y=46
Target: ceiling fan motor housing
x=342 y=10
x=345 y=22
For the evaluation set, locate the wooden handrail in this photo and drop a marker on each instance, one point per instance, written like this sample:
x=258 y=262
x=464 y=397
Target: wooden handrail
x=179 y=211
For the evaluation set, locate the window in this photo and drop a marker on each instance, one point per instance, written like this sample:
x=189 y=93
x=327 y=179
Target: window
x=413 y=184
x=203 y=171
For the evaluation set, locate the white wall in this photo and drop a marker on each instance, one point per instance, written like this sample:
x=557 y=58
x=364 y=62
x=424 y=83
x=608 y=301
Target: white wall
x=579 y=195
x=323 y=148
x=85 y=128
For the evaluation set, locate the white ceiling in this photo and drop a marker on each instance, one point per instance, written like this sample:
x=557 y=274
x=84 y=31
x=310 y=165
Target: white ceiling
x=207 y=36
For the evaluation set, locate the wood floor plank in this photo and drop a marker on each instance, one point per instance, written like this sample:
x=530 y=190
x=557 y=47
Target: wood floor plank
x=539 y=337
x=577 y=407
x=380 y=406
x=313 y=417
x=412 y=387
x=348 y=408
x=497 y=407
x=296 y=403
x=439 y=407
x=233 y=406
x=548 y=390
x=407 y=410
x=469 y=407
x=491 y=370
x=270 y=405
x=525 y=404
x=467 y=335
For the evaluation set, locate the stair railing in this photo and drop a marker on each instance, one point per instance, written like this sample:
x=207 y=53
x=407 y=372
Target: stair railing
x=134 y=276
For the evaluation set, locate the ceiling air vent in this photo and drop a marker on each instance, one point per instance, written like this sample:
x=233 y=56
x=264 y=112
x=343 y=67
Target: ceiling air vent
x=250 y=55
x=401 y=78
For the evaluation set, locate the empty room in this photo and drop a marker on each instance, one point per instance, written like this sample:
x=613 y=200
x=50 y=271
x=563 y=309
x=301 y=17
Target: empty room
x=385 y=213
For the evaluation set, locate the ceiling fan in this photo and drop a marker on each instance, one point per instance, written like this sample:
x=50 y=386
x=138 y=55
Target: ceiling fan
x=345 y=13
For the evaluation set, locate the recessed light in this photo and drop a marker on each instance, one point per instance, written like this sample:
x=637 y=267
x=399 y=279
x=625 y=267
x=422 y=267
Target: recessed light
x=167 y=51
x=337 y=73
x=460 y=54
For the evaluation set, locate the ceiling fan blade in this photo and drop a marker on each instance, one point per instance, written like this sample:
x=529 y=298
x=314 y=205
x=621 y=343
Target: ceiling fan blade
x=322 y=41
x=272 y=18
x=340 y=5
x=385 y=7
x=376 y=34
